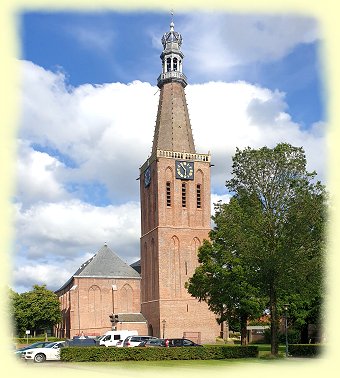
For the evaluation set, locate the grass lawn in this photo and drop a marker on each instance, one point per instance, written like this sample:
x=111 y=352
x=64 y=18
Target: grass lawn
x=240 y=368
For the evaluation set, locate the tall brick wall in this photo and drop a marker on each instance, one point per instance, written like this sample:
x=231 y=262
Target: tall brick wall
x=170 y=239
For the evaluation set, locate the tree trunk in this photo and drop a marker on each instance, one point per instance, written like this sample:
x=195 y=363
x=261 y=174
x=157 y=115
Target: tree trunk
x=274 y=321
x=243 y=320
x=304 y=334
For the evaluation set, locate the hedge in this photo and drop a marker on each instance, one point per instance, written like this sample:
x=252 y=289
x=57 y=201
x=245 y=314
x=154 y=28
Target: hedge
x=305 y=350
x=31 y=340
x=100 y=354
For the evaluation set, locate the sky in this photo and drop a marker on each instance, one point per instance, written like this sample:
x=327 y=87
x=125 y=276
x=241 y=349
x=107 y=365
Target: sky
x=88 y=110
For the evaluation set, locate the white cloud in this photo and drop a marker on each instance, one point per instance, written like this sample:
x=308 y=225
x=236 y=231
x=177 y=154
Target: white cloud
x=53 y=274
x=219 y=42
x=229 y=115
x=37 y=176
x=107 y=132
x=40 y=274
x=68 y=228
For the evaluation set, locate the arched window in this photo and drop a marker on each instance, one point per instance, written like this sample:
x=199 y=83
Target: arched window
x=175 y=64
x=144 y=272
x=168 y=193
x=153 y=269
x=198 y=196
x=174 y=268
x=126 y=297
x=168 y=65
x=94 y=306
x=184 y=194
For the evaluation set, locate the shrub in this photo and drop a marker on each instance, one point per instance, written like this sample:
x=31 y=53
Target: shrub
x=305 y=350
x=153 y=354
x=293 y=337
x=269 y=356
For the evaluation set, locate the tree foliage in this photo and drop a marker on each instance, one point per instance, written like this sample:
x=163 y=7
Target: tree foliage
x=220 y=280
x=38 y=309
x=284 y=221
x=273 y=228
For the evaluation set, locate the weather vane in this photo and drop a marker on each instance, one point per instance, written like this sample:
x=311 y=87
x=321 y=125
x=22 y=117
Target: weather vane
x=172 y=15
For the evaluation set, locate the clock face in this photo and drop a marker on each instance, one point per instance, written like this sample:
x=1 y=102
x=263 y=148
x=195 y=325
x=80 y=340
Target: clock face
x=147 y=177
x=184 y=170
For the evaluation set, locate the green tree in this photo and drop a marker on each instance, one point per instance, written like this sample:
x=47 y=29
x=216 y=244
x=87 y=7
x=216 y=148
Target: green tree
x=220 y=280
x=19 y=312
x=35 y=310
x=303 y=312
x=283 y=222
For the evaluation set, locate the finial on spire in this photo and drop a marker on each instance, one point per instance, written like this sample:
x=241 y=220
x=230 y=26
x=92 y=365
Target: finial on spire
x=172 y=25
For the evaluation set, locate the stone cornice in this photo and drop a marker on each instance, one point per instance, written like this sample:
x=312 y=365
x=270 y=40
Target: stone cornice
x=175 y=155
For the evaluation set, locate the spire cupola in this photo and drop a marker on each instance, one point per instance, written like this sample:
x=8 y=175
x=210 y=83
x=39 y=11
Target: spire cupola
x=172 y=58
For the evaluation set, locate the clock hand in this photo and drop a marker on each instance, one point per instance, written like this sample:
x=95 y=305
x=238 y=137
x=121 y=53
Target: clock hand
x=185 y=170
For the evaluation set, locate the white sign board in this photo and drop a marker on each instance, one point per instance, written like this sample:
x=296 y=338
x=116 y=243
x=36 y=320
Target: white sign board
x=28 y=332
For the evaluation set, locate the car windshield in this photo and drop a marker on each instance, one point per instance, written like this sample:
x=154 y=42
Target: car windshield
x=50 y=345
x=34 y=345
x=31 y=346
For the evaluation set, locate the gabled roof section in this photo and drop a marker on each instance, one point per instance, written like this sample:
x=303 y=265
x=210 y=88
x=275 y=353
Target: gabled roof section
x=136 y=266
x=105 y=263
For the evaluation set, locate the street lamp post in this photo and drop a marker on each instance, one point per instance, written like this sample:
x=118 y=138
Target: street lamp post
x=163 y=322
x=285 y=307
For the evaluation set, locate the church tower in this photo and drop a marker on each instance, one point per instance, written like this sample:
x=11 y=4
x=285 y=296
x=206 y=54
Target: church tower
x=175 y=211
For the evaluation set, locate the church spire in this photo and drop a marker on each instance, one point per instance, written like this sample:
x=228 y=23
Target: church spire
x=172 y=58
x=173 y=129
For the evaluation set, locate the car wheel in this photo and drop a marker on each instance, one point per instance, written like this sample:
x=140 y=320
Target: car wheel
x=40 y=357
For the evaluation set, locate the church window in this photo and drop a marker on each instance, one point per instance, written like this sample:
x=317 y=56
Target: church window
x=168 y=193
x=168 y=65
x=198 y=196
x=186 y=268
x=175 y=64
x=184 y=194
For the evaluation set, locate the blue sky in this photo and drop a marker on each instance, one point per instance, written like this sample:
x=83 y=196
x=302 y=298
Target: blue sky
x=88 y=109
x=106 y=47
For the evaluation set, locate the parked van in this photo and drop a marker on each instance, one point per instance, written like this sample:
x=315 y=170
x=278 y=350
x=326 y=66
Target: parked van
x=112 y=337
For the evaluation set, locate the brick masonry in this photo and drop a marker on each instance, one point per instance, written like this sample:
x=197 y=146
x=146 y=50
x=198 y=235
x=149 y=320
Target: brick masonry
x=88 y=302
x=170 y=239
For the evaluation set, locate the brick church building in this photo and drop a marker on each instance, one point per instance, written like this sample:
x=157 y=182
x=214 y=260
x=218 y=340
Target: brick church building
x=149 y=296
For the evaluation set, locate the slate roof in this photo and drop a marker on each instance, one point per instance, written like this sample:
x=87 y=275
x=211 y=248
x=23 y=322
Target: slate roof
x=131 y=318
x=136 y=266
x=173 y=130
x=105 y=263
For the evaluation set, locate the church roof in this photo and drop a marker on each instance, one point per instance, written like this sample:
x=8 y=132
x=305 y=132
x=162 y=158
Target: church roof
x=136 y=266
x=105 y=263
x=173 y=130
x=131 y=318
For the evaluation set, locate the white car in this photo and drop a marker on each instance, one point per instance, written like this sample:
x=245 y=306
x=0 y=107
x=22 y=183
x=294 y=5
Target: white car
x=133 y=341
x=50 y=352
